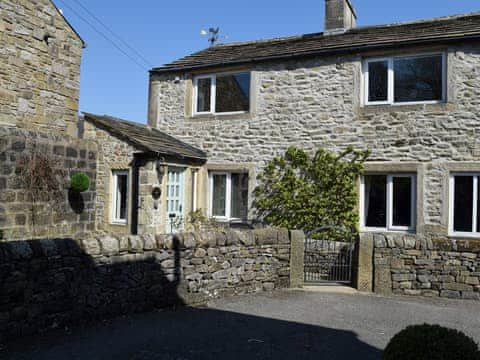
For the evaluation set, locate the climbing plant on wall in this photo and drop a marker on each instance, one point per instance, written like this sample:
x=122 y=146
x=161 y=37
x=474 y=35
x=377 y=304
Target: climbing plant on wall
x=303 y=191
x=41 y=177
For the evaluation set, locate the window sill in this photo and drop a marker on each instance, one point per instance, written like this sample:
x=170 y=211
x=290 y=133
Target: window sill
x=119 y=223
x=227 y=116
x=388 y=231
x=393 y=108
x=466 y=236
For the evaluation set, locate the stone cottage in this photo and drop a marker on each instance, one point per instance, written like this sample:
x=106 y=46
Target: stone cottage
x=128 y=164
x=409 y=92
x=39 y=87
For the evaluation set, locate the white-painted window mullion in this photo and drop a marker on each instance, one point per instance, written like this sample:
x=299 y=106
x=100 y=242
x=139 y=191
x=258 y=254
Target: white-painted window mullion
x=228 y=199
x=389 y=206
x=391 y=81
x=475 y=202
x=413 y=202
x=213 y=95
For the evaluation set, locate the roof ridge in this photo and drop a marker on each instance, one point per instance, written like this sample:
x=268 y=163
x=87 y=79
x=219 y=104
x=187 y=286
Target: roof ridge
x=200 y=154
x=302 y=36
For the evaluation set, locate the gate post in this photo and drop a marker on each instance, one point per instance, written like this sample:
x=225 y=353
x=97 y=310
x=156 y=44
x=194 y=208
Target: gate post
x=297 y=244
x=365 y=263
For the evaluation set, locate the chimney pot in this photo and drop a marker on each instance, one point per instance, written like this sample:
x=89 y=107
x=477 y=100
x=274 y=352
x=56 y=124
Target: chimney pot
x=340 y=16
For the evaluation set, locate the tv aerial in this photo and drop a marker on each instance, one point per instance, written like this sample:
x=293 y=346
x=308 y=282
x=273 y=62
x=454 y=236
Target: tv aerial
x=213 y=35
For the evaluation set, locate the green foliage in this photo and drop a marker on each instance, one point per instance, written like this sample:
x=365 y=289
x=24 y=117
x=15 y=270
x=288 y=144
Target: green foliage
x=431 y=342
x=299 y=191
x=79 y=182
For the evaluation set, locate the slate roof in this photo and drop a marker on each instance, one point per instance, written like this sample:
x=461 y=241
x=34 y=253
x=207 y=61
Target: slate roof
x=431 y=31
x=145 y=138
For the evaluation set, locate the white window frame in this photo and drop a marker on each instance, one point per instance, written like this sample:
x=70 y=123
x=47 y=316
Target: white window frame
x=389 y=206
x=213 y=94
x=451 y=202
x=228 y=195
x=391 y=80
x=115 y=174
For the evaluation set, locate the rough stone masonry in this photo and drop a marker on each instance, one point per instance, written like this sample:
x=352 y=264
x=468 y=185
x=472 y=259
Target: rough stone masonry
x=55 y=282
x=405 y=265
x=40 y=67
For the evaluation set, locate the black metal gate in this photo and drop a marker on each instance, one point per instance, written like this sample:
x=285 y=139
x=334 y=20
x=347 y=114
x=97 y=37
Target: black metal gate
x=329 y=258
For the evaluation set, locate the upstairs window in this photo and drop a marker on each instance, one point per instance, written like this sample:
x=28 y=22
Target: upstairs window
x=228 y=195
x=388 y=202
x=464 y=205
x=404 y=80
x=221 y=94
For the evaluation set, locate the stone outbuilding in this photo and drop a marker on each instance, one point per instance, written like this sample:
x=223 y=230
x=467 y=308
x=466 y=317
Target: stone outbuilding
x=40 y=62
x=141 y=176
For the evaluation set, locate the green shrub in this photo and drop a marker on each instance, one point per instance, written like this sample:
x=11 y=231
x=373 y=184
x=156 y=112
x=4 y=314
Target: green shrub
x=431 y=342
x=79 y=182
x=304 y=190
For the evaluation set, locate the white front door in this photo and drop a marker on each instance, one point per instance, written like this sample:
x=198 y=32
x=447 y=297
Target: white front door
x=175 y=196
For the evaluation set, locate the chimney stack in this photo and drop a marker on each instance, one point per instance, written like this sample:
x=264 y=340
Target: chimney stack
x=340 y=16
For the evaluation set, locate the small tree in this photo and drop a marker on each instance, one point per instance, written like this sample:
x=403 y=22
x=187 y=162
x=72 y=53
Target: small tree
x=299 y=191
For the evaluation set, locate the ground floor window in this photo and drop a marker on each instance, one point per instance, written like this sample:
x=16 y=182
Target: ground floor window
x=120 y=196
x=228 y=195
x=388 y=202
x=464 y=204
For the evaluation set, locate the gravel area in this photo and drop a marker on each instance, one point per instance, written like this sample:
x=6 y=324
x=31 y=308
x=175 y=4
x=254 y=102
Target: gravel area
x=291 y=324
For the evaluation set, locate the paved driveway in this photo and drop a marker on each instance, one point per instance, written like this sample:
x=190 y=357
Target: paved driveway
x=280 y=325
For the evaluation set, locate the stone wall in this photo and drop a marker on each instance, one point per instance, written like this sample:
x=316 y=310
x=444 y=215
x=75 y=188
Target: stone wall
x=407 y=265
x=52 y=283
x=317 y=103
x=20 y=217
x=40 y=58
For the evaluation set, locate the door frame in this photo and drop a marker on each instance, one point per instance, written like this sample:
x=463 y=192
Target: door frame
x=182 y=171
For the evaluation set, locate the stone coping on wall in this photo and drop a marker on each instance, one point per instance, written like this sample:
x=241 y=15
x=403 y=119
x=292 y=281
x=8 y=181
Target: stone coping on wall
x=108 y=244
x=421 y=242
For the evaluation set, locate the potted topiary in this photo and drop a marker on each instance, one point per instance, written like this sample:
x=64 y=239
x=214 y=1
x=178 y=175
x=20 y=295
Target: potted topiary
x=431 y=342
x=79 y=182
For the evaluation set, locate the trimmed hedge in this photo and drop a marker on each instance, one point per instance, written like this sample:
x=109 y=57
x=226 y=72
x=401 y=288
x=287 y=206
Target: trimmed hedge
x=431 y=342
x=79 y=182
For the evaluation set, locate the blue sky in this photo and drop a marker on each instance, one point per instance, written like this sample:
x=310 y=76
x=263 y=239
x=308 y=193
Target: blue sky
x=164 y=30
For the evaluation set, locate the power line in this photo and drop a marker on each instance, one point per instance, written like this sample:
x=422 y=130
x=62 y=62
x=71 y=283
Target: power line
x=114 y=34
x=103 y=35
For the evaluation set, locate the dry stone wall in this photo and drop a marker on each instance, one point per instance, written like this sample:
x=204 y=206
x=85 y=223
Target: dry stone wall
x=52 y=283
x=40 y=67
x=406 y=265
x=70 y=214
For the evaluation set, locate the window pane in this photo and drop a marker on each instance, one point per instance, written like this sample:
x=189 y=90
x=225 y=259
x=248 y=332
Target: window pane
x=204 y=91
x=378 y=81
x=219 y=193
x=402 y=201
x=233 y=93
x=463 y=204
x=418 y=79
x=375 y=201
x=121 y=201
x=239 y=199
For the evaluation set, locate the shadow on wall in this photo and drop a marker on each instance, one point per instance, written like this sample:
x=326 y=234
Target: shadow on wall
x=47 y=284
x=192 y=333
